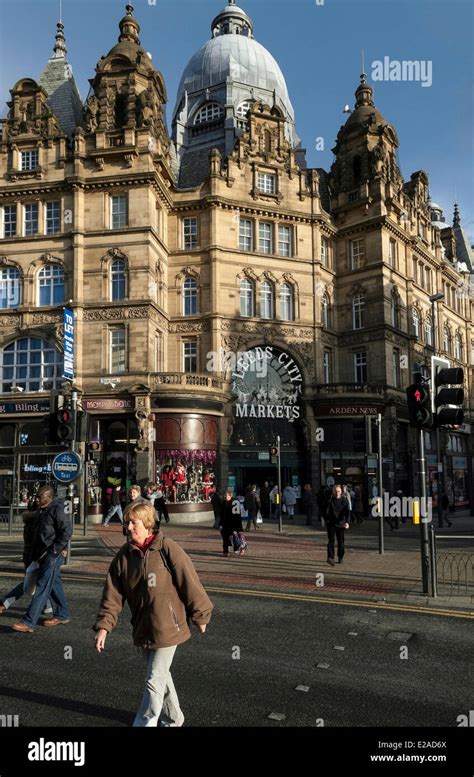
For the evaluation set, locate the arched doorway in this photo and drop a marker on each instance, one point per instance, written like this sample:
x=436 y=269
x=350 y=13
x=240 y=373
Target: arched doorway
x=267 y=386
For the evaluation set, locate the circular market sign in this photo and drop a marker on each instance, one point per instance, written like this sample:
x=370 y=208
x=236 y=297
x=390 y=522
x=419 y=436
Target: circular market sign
x=67 y=467
x=266 y=383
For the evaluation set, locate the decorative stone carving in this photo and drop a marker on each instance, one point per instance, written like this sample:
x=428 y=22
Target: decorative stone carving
x=10 y=322
x=107 y=314
x=142 y=312
x=45 y=318
x=190 y=327
x=114 y=314
x=91 y=110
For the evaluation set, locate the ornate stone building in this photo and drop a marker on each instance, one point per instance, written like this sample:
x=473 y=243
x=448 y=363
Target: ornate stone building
x=216 y=280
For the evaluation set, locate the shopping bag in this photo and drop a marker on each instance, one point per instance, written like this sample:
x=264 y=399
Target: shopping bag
x=259 y=518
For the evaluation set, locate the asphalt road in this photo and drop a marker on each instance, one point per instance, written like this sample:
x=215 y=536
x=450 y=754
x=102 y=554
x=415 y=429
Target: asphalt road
x=54 y=677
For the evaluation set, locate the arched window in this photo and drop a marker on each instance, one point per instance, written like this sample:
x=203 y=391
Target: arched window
x=358 y=307
x=10 y=287
x=247 y=298
x=325 y=310
x=286 y=302
x=446 y=340
x=267 y=307
x=428 y=331
x=190 y=307
x=117 y=280
x=209 y=112
x=31 y=364
x=51 y=285
x=458 y=347
x=395 y=310
x=243 y=109
x=416 y=322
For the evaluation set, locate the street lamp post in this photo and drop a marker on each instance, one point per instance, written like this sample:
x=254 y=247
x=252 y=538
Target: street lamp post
x=434 y=299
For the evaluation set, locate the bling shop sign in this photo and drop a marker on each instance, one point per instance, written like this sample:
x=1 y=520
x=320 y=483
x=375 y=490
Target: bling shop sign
x=267 y=384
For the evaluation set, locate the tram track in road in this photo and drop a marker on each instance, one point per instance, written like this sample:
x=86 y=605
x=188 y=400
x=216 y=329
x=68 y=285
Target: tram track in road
x=366 y=604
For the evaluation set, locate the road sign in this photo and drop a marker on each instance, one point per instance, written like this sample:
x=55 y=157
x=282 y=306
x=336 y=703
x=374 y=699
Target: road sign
x=67 y=467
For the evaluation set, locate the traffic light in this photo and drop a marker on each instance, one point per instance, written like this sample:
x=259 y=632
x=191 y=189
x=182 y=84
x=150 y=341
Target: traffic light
x=49 y=429
x=66 y=425
x=273 y=450
x=448 y=401
x=419 y=405
x=82 y=426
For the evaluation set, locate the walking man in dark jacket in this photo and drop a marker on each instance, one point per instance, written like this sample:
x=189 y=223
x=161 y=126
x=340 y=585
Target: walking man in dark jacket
x=230 y=521
x=52 y=531
x=265 y=501
x=337 y=522
x=252 y=505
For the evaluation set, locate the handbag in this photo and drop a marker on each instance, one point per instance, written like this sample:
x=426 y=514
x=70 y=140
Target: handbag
x=238 y=541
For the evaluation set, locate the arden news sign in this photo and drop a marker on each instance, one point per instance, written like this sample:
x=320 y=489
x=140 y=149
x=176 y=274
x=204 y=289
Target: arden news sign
x=348 y=410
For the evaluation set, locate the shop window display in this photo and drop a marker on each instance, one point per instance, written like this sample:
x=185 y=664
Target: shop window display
x=186 y=477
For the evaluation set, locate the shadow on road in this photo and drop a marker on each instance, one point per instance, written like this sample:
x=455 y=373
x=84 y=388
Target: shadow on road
x=72 y=705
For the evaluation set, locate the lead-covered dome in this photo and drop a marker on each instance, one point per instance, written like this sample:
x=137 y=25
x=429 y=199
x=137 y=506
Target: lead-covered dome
x=241 y=59
x=217 y=87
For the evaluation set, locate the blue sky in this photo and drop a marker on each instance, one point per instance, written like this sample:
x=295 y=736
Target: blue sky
x=318 y=47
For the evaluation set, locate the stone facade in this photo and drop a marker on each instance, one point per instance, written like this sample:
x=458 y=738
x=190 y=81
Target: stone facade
x=357 y=231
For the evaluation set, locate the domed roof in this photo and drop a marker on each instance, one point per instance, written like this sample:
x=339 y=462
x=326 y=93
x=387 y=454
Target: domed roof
x=241 y=59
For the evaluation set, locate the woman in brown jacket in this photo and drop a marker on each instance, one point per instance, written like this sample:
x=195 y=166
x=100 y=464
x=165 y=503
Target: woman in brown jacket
x=159 y=582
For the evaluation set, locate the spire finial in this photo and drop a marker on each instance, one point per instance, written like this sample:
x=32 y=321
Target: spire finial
x=59 y=48
x=456 y=217
x=60 y=10
x=129 y=27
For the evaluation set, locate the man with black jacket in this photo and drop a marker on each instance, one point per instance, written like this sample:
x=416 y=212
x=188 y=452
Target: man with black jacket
x=51 y=533
x=337 y=522
x=230 y=521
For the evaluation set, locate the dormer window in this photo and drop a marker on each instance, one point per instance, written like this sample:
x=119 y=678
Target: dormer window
x=267 y=183
x=209 y=112
x=29 y=160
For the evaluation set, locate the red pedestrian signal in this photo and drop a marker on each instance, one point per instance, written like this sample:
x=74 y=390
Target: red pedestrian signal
x=273 y=451
x=419 y=405
x=66 y=425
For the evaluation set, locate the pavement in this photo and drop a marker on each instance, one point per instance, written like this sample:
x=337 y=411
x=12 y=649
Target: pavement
x=294 y=562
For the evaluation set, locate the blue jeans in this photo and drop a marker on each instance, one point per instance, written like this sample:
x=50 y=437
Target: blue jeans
x=160 y=704
x=112 y=510
x=48 y=586
x=21 y=589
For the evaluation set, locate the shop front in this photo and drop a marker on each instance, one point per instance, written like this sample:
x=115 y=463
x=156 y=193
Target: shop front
x=111 y=458
x=348 y=442
x=186 y=452
x=25 y=460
